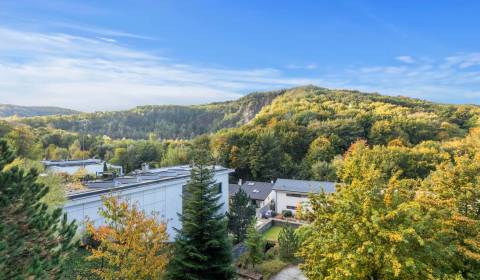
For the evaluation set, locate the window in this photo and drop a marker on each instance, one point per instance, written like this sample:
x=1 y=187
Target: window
x=217 y=188
x=291 y=207
x=297 y=195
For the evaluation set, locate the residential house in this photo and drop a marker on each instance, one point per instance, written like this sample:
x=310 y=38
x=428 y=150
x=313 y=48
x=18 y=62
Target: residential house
x=259 y=192
x=290 y=193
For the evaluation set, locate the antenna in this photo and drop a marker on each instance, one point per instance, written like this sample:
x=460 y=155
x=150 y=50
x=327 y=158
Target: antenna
x=84 y=121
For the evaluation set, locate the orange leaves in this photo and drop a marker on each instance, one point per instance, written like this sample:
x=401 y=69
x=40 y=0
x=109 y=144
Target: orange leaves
x=132 y=244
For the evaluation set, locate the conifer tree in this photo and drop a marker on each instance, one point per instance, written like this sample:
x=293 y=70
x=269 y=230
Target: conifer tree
x=202 y=250
x=255 y=245
x=241 y=214
x=34 y=242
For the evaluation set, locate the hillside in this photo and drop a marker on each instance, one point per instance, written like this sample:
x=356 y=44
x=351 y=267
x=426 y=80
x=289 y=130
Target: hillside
x=7 y=110
x=166 y=122
x=301 y=132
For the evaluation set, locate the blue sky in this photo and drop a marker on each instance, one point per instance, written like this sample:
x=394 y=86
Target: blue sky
x=108 y=55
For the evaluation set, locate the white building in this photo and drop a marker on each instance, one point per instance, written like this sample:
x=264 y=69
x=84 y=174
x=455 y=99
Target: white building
x=290 y=193
x=70 y=167
x=154 y=190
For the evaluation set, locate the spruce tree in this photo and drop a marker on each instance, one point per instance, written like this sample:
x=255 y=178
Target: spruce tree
x=202 y=250
x=34 y=241
x=241 y=214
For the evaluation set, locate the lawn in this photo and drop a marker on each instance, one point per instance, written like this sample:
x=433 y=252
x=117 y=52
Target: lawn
x=272 y=233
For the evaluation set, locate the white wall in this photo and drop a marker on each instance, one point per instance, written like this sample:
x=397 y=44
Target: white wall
x=282 y=201
x=70 y=170
x=162 y=197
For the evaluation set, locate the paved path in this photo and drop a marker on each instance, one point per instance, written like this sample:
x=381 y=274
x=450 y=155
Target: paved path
x=290 y=273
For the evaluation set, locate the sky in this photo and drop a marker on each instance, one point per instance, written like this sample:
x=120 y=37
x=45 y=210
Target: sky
x=113 y=55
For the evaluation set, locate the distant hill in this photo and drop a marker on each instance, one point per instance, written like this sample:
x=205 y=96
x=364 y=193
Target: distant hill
x=323 y=111
x=7 y=110
x=164 y=121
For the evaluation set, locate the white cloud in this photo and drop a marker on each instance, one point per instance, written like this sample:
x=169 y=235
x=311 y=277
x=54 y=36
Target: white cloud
x=308 y=66
x=452 y=79
x=98 y=74
x=405 y=59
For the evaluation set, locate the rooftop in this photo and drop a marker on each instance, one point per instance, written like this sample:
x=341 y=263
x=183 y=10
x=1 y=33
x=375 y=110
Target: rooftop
x=255 y=190
x=303 y=186
x=138 y=178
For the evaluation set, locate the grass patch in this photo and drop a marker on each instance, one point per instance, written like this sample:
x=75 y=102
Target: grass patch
x=272 y=233
x=79 y=268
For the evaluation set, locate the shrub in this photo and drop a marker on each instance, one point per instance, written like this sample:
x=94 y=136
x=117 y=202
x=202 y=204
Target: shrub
x=287 y=213
x=272 y=253
x=288 y=243
x=270 y=268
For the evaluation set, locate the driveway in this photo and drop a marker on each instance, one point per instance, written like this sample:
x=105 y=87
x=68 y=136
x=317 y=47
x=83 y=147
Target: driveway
x=290 y=273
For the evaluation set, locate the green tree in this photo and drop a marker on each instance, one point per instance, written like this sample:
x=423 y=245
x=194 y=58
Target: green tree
x=35 y=242
x=202 y=249
x=288 y=243
x=255 y=245
x=458 y=183
x=240 y=215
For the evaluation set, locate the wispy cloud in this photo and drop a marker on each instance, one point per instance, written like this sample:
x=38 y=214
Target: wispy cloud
x=101 y=31
x=308 y=66
x=453 y=79
x=99 y=74
x=405 y=59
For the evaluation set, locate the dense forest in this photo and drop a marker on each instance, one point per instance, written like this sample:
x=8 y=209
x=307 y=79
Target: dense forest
x=298 y=133
x=7 y=110
x=407 y=206
x=164 y=122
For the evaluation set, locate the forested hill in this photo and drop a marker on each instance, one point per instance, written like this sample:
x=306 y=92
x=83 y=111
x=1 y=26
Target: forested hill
x=7 y=110
x=303 y=130
x=162 y=121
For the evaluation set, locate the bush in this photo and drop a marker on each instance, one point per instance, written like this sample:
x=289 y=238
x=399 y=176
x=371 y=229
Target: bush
x=288 y=243
x=272 y=253
x=287 y=213
x=269 y=244
x=270 y=268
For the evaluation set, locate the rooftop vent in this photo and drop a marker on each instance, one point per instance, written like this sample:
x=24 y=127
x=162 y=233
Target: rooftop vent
x=256 y=191
x=251 y=183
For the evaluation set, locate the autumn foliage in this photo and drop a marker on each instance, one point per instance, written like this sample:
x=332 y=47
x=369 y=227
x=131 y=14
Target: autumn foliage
x=132 y=244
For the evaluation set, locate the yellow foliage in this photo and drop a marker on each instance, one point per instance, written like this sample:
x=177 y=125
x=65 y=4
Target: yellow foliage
x=132 y=245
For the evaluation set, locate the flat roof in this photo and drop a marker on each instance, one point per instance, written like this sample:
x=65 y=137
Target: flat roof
x=139 y=179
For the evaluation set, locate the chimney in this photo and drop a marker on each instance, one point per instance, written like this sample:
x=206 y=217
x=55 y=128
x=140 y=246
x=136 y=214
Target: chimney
x=272 y=182
x=239 y=182
x=145 y=167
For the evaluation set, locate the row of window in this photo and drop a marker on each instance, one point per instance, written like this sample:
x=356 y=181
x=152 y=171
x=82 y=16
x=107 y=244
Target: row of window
x=297 y=195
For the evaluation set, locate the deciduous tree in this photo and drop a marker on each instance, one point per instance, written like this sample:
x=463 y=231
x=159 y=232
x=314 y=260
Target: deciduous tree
x=132 y=246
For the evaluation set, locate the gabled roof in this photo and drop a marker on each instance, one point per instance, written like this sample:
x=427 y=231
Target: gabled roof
x=303 y=186
x=255 y=190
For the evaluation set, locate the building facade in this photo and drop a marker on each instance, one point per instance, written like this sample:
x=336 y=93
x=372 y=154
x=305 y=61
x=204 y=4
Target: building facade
x=291 y=193
x=70 y=167
x=156 y=191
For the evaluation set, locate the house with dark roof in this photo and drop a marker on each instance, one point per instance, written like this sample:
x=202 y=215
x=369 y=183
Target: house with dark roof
x=259 y=192
x=289 y=193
